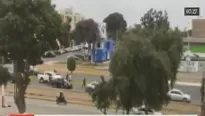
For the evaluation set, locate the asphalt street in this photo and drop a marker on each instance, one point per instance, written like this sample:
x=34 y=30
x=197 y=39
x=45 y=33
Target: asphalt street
x=194 y=91
x=46 y=107
x=61 y=57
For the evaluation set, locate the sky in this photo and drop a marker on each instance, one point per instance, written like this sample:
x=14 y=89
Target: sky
x=133 y=10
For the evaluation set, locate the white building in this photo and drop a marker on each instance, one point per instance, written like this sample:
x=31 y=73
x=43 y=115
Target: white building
x=76 y=17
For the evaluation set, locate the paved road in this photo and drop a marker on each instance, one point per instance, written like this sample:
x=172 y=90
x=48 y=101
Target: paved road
x=45 y=107
x=192 y=90
x=61 y=57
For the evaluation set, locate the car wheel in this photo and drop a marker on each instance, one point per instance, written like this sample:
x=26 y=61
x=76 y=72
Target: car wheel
x=184 y=100
x=41 y=80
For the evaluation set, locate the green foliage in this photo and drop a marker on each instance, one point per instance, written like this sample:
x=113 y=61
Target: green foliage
x=151 y=56
x=86 y=31
x=26 y=34
x=28 y=28
x=5 y=76
x=71 y=64
x=140 y=73
x=115 y=24
x=102 y=96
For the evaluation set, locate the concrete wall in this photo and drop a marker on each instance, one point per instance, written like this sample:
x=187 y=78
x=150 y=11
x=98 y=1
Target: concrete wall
x=192 y=66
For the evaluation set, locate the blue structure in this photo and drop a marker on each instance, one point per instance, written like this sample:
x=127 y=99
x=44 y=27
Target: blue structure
x=102 y=51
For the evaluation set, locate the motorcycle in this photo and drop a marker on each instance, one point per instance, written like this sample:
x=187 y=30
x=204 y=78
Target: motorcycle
x=61 y=101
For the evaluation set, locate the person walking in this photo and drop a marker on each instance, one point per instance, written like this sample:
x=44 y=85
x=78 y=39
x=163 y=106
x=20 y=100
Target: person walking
x=84 y=82
x=67 y=77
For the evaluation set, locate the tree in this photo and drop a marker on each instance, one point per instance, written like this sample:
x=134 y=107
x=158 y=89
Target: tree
x=156 y=27
x=140 y=74
x=28 y=28
x=101 y=97
x=86 y=31
x=71 y=64
x=5 y=76
x=115 y=25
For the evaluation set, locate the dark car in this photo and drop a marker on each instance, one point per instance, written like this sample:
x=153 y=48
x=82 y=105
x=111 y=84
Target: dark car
x=61 y=83
x=49 y=54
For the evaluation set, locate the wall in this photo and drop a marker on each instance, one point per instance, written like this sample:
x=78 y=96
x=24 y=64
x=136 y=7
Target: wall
x=192 y=66
x=198 y=28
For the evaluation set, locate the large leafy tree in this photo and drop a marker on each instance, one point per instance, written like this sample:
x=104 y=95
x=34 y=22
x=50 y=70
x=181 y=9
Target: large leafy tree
x=27 y=29
x=115 y=25
x=86 y=31
x=156 y=27
x=140 y=74
x=151 y=56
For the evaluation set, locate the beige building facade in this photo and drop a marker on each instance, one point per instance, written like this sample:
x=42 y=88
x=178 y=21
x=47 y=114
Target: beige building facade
x=68 y=12
x=198 y=32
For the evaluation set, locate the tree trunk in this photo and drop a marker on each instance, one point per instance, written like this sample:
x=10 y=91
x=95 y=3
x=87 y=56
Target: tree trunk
x=127 y=111
x=22 y=80
x=104 y=111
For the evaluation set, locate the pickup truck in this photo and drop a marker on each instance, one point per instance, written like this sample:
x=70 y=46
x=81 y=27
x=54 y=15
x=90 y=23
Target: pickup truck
x=47 y=76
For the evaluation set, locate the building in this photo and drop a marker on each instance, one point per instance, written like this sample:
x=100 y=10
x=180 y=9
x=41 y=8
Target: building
x=102 y=50
x=196 y=41
x=198 y=32
x=68 y=12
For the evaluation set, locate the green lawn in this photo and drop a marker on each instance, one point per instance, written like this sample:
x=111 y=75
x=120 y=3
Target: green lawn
x=197 y=48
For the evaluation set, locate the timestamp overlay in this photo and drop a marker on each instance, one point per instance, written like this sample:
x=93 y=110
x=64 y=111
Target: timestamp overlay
x=191 y=11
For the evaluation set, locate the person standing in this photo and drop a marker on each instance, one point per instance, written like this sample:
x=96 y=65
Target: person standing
x=69 y=78
x=84 y=82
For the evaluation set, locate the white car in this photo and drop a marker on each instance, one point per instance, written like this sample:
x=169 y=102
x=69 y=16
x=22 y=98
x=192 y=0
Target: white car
x=91 y=86
x=142 y=111
x=47 y=76
x=53 y=75
x=178 y=95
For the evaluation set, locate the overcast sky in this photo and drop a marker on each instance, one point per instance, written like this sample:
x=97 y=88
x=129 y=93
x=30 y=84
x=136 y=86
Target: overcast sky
x=132 y=10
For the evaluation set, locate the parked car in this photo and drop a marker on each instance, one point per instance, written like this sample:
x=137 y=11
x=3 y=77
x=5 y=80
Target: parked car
x=73 y=56
x=89 y=88
x=49 y=54
x=61 y=83
x=142 y=111
x=43 y=77
x=47 y=76
x=178 y=95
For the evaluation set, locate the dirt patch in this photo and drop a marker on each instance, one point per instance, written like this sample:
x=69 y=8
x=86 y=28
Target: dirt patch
x=52 y=93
